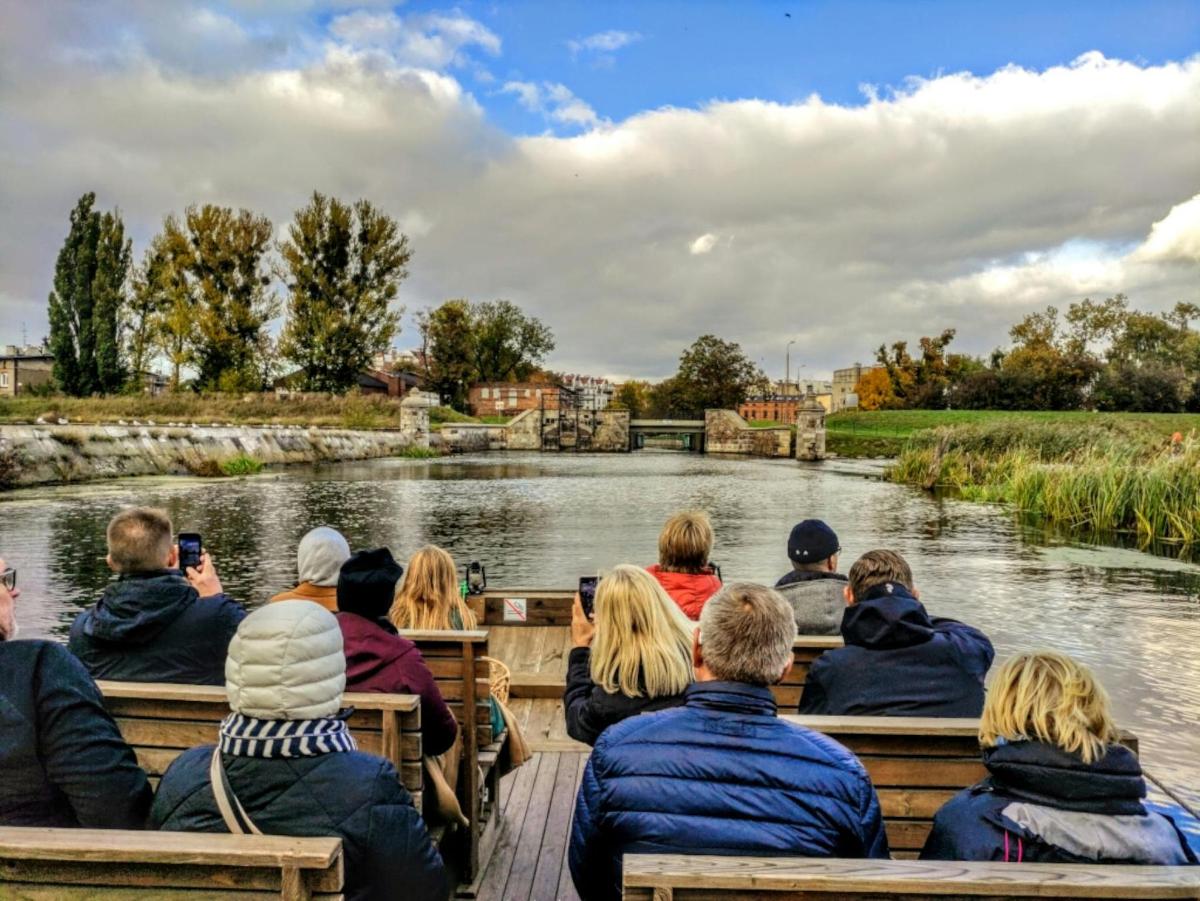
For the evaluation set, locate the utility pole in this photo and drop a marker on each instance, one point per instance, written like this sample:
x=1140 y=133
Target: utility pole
x=787 y=372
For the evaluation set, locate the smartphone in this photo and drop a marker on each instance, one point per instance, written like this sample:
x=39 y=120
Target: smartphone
x=190 y=551
x=587 y=594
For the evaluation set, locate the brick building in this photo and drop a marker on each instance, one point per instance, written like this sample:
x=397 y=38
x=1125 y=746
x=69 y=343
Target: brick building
x=510 y=398
x=21 y=368
x=845 y=381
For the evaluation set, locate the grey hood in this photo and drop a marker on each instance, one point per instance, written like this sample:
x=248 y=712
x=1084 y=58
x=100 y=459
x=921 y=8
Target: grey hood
x=1149 y=839
x=320 y=556
x=818 y=604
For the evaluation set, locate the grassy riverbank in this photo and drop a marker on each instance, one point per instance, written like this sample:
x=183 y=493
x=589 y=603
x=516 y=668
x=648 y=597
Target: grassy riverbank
x=1093 y=473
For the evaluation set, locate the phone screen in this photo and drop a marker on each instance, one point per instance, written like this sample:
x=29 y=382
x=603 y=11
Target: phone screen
x=587 y=594
x=189 y=550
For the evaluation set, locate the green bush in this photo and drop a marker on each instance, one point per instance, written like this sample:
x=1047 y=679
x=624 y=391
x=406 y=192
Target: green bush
x=241 y=465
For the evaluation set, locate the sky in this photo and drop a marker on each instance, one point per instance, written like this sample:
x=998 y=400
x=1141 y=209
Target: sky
x=837 y=174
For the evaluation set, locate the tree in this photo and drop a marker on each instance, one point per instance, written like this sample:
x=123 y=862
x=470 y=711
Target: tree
x=448 y=348
x=86 y=304
x=634 y=396
x=343 y=265
x=875 y=392
x=508 y=345
x=215 y=297
x=921 y=382
x=713 y=374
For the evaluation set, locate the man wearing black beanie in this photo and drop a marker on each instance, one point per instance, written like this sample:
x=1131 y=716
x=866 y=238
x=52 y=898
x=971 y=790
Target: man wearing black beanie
x=814 y=586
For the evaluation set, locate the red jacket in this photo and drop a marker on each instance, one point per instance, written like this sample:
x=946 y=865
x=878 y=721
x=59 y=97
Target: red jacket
x=688 y=590
x=377 y=660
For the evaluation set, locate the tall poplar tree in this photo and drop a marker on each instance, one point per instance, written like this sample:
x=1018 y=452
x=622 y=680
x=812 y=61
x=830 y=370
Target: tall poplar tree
x=343 y=265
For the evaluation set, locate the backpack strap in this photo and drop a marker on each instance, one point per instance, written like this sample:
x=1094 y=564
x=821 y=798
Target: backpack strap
x=237 y=821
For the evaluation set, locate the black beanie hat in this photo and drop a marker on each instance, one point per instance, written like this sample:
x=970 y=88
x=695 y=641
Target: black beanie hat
x=367 y=583
x=811 y=542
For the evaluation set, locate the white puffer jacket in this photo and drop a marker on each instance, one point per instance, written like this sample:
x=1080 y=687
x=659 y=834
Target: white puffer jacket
x=286 y=663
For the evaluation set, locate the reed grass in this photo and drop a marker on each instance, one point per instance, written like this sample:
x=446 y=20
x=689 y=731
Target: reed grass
x=1111 y=477
x=241 y=465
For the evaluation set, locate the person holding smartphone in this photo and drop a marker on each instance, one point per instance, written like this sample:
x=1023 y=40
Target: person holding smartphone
x=164 y=619
x=631 y=654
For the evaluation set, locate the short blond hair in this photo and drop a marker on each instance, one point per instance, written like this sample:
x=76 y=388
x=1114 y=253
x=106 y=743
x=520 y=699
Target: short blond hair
x=643 y=643
x=746 y=634
x=139 y=540
x=1050 y=697
x=685 y=543
x=878 y=568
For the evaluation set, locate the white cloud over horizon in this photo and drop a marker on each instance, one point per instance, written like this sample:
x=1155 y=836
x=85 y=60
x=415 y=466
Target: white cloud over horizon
x=963 y=201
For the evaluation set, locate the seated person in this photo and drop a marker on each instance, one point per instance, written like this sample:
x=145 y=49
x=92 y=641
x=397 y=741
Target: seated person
x=898 y=661
x=287 y=761
x=155 y=624
x=319 y=558
x=814 y=587
x=377 y=659
x=637 y=656
x=722 y=774
x=683 y=570
x=64 y=762
x=1060 y=789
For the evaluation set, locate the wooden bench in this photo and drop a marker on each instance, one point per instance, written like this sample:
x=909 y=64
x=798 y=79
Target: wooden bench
x=120 y=865
x=457 y=662
x=916 y=764
x=669 y=877
x=161 y=720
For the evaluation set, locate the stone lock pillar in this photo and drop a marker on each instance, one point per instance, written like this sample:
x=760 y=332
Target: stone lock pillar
x=414 y=416
x=810 y=430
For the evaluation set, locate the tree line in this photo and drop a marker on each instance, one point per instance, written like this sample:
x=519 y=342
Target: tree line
x=713 y=374
x=1101 y=355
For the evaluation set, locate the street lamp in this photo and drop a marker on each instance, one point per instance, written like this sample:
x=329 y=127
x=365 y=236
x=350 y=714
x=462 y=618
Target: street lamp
x=787 y=372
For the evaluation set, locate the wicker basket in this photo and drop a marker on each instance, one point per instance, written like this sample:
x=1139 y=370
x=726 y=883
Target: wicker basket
x=500 y=678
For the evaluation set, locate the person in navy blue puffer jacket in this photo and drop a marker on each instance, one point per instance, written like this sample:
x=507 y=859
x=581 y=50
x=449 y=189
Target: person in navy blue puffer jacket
x=722 y=774
x=155 y=624
x=898 y=661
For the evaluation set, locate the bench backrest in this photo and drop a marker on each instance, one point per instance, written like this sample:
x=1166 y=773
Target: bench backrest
x=161 y=720
x=665 y=877
x=541 y=607
x=916 y=764
x=805 y=649
x=77 y=864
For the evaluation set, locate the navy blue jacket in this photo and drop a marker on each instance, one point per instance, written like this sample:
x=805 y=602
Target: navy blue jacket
x=154 y=627
x=899 y=662
x=590 y=709
x=720 y=775
x=62 y=760
x=1041 y=804
x=352 y=795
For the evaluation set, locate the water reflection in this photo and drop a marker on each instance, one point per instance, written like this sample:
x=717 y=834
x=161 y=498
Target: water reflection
x=543 y=520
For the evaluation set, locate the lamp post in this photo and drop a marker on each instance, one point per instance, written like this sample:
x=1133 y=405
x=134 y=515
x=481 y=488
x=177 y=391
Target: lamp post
x=787 y=372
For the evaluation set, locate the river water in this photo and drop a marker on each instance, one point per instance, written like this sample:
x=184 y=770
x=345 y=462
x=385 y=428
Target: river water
x=541 y=521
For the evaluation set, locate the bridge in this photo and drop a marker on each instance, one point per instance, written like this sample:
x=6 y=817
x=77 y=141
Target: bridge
x=690 y=430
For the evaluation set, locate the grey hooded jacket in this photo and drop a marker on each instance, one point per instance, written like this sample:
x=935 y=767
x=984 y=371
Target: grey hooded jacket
x=816 y=599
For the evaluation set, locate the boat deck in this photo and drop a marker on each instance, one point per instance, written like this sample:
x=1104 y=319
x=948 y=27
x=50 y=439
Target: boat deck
x=529 y=862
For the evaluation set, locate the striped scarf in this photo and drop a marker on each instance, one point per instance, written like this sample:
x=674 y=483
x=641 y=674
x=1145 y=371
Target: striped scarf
x=244 y=736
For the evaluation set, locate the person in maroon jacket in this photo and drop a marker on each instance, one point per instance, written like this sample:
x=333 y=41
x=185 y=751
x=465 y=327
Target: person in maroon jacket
x=377 y=659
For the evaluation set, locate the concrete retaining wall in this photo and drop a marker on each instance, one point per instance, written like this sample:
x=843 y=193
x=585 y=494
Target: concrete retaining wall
x=725 y=432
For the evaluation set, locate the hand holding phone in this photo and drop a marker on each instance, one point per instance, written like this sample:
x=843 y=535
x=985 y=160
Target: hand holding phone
x=587 y=595
x=191 y=551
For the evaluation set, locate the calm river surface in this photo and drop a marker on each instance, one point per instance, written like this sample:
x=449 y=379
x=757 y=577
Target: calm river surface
x=541 y=521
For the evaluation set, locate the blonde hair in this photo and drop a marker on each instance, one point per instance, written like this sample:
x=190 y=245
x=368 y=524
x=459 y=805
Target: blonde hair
x=643 y=643
x=1047 y=696
x=877 y=568
x=429 y=592
x=685 y=543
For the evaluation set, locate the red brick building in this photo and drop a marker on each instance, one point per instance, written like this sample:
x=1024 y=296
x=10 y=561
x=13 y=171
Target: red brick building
x=510 y=398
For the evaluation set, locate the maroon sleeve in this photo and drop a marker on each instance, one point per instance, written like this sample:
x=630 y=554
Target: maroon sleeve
x=438 y=725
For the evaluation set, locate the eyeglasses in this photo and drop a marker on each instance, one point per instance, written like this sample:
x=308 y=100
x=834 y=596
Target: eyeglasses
x=8 y=579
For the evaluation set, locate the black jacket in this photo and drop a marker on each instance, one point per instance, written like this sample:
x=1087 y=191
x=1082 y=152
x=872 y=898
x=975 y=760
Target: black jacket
x=590 y=709
x=62 y=760
x=899 y=662
x=153 y=627
x=352 y=795
x=1041 y=804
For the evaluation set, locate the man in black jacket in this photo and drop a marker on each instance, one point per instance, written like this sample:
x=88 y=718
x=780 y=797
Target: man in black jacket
x=155 y=624
x=63 y=761
x=898 y=661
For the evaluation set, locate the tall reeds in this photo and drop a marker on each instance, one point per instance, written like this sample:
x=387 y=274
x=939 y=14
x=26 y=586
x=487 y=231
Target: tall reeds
x=1109 y=477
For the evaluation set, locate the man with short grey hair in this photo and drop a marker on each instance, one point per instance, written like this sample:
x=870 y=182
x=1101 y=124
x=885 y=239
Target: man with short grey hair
x=722 y=774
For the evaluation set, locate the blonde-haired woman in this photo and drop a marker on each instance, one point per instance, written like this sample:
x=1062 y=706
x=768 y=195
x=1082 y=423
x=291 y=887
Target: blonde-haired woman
x=1060 y=789
x=635 y=657
x=429 y=596
x=683 y=568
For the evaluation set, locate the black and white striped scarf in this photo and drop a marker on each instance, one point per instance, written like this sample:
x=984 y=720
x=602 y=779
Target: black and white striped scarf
x=245 y=736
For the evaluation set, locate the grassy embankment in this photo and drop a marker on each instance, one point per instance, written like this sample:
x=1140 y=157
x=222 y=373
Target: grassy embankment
x=1095 y=473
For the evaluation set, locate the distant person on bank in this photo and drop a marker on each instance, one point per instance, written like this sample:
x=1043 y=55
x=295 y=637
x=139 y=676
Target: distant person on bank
x=1060 y=789
x=63 y=760
x=287 y=759
x=319 y=559
x=722 y=774
x=683 y=568
x=154 y=623
x=814 y=587
x=898 y=660
x=635 y=657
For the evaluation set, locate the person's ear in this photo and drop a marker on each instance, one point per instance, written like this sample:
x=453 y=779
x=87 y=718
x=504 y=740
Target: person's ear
x=111 y=565
x=173 y=558
x=787 y=669
x=915 y=593
x=697 y=651
x=848 y=595
x=831 y=564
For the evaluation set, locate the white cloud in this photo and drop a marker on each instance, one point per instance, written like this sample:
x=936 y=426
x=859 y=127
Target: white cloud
x=553 y=100
x=1175 y=238
x=603 y=42
x=703 y=244
x=432 y=40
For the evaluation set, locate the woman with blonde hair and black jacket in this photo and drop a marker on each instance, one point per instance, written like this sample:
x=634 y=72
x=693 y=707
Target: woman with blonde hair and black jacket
x=635 y=657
